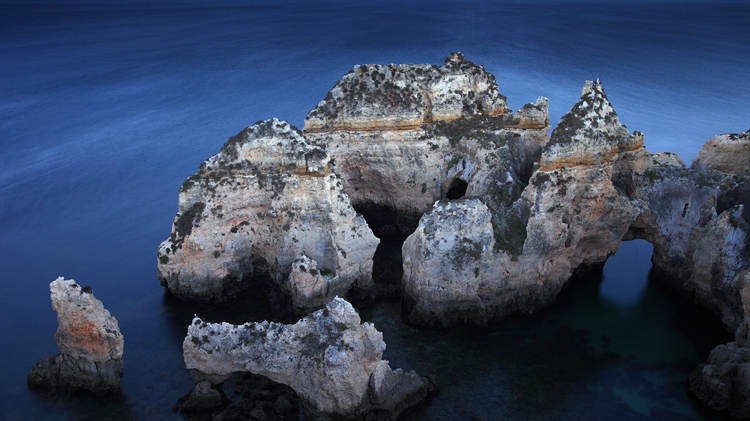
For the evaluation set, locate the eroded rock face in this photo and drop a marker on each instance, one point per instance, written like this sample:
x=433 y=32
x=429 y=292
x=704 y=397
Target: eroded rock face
x=332 y=360
x=595 y=184
x=266 y=199
x=91 y=346
x=728 y=153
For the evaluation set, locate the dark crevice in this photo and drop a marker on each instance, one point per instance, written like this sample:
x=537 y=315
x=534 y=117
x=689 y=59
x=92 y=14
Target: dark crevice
x=392 y=227
x=388 y=223
x=457 y=189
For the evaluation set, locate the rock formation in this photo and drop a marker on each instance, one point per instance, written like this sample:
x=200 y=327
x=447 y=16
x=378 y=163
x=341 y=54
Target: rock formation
x=265 y=200
x=498 y=214
x=595 y=185
x=524 y=247
x=373 y=97
x=728 y=153
x=90 y=343
x=405 y=136
x=329 y=358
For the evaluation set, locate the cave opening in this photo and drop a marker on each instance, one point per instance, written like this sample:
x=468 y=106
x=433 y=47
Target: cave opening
x=457 y=189
x=392 y=227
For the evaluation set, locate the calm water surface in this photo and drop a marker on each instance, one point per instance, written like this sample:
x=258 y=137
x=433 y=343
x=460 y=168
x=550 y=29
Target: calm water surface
x=105 y=109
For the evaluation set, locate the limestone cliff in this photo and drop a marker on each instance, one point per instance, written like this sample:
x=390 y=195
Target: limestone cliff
x=498 y=214
x=91 y=346
x=265 y=200
x=332 y=360
x=724 y=381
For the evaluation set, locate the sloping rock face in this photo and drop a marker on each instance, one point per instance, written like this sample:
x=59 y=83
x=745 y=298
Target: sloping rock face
x=332 y=360
x=266 y=199
x=728 y=153
x=405 y=136
x=90 y=343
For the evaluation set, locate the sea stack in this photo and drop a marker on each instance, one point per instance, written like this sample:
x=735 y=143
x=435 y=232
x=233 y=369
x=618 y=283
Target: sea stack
x=90 y=342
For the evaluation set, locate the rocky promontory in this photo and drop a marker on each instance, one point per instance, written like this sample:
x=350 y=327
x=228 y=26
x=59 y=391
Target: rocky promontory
x=90 y=343
x=266 y=200
x=332 y=360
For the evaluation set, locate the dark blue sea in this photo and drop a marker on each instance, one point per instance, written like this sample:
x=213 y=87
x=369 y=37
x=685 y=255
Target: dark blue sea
x=106 y=107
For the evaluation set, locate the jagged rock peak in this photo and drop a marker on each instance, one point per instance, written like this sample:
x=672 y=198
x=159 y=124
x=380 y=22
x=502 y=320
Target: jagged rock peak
x=728 y=153
x=373 y=96
x=590 y=133
x=332 y=360
x=90 y=342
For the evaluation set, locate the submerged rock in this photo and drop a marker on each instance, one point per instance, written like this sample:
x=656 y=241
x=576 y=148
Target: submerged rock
x=266 y=199
x=90 y=343
x=329 y=358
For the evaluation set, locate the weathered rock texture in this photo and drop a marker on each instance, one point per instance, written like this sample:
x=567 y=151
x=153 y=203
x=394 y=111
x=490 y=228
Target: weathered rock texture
x=498 y=214
x=329 y=358
x=405 y=136
x=265 y=200
x=595 y=185
x=728 y=153
x=90 y=343
x=373 y=97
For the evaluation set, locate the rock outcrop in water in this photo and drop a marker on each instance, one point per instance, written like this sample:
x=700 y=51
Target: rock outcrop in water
x=267 y=199
x=498 y=214
x=90 y=343
x=329 y=358
x=464 y=268
x=595 y=185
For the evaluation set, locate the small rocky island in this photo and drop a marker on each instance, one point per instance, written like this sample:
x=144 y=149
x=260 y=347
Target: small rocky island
x=90 y=343
x=496 y=213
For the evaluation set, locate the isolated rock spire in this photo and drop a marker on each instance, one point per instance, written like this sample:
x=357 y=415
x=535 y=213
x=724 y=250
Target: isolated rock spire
x=90 y=342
